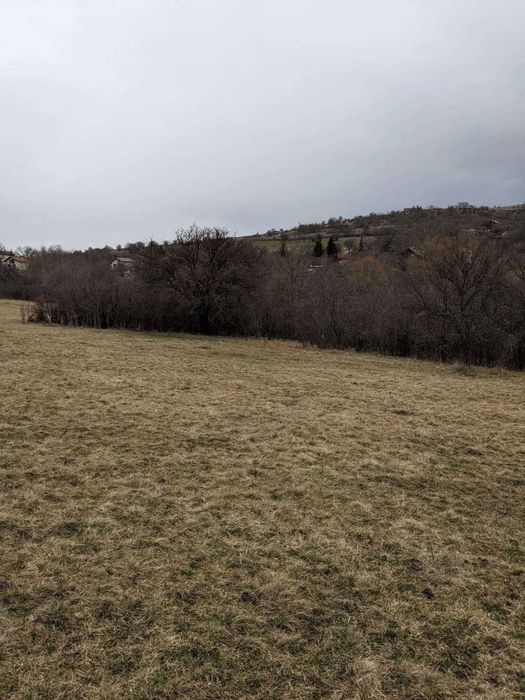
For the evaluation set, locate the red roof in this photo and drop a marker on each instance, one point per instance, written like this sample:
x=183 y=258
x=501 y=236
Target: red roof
x=18 y=258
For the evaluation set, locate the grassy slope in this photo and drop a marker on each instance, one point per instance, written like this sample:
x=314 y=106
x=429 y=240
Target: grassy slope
x=192 y=517
x=272 y=245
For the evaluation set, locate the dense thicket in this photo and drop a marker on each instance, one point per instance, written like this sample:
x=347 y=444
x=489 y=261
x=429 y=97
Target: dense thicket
x=462 y=297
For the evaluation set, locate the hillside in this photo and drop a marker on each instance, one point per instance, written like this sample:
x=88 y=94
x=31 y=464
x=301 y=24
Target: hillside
x=404 y=228
x=192 y=517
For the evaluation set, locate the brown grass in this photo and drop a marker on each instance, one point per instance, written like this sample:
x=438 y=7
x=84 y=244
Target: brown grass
x=205 y=518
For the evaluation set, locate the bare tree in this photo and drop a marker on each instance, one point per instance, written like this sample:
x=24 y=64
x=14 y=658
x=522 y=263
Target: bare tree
x=207 y=270
x=460 y=285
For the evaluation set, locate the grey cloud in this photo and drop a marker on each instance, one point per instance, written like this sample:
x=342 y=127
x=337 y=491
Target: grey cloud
x=125 y=119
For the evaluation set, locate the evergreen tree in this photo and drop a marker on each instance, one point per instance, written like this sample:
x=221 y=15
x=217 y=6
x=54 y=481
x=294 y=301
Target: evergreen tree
x=331 y=248
x=318 y=247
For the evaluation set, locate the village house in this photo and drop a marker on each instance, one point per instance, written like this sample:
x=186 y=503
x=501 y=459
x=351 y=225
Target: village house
x=14 y=262
x=410 y=253
x=124 y=266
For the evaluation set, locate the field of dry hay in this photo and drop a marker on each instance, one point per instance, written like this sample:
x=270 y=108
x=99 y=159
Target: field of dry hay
x=214 y=518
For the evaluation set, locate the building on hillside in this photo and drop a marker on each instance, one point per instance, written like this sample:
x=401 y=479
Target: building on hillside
x=497 y=229
x=410 y=253
x=511 y=207
x=124 y=266
x=15 y=262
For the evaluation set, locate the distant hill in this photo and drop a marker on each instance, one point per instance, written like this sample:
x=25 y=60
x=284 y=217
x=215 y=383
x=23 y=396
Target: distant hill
x=406 y=227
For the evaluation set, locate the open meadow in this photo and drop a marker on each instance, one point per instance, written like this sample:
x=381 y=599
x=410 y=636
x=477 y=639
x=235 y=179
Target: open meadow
x=197 y=517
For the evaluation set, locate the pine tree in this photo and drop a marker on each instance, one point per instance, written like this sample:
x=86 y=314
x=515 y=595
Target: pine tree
x=318 y=247
x=331 y=248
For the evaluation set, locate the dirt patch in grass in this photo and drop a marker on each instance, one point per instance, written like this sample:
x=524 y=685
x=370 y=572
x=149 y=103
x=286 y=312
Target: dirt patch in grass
x=261 y=521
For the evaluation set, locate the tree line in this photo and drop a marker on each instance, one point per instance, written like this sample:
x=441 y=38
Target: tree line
x=462 y=298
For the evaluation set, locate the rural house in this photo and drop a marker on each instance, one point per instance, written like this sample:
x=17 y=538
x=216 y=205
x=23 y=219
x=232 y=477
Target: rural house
x=124 y=266
x=410 y=253
x=15 y=262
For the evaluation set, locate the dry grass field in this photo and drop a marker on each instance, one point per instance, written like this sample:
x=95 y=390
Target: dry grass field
x=192 y=517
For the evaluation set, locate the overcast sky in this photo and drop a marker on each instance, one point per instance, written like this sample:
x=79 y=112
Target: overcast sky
x=123 y=120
